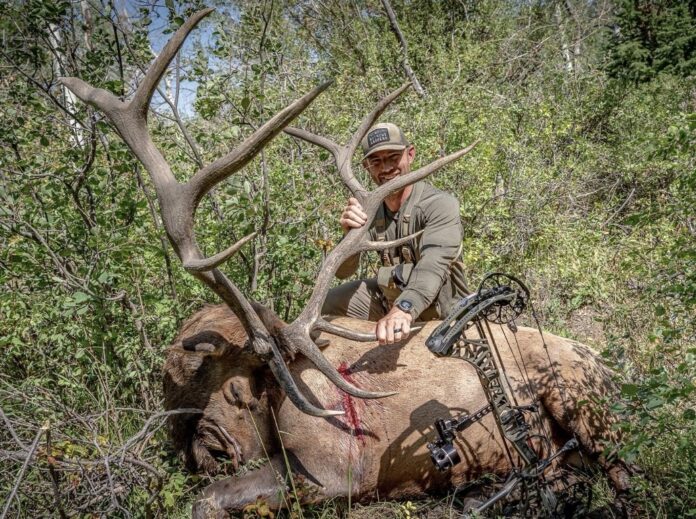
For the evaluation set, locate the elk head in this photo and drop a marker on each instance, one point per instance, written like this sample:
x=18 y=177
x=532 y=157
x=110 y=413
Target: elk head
x=209 y=368
x=179 y=201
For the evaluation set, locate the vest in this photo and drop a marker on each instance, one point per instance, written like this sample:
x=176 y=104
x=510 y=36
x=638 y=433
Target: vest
x=397 y=263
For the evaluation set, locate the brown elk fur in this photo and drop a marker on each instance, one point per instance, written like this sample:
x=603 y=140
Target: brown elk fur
x=378 y=448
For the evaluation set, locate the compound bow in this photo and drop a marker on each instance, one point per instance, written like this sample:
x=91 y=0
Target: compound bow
x=500 y=299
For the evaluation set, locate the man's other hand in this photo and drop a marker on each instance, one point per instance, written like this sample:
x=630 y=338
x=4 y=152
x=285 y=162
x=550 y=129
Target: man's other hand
x=393 y=327
x=353 y=216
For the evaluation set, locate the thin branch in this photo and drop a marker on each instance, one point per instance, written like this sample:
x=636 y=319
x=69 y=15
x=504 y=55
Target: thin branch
x=144 y=429
x=69 y=278
x=621 y=208
x=20 y=475
x=45 y=89
x=54 y=477
x=8 y=426
x=139 y=325
x=404 y=48
x=187 y=136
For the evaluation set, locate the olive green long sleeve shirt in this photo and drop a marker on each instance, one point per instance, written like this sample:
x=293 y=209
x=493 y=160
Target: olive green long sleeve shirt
x=437 y=214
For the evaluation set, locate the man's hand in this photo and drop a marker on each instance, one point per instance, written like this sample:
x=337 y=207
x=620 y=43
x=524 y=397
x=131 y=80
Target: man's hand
x=393 y=327
x=353 y=216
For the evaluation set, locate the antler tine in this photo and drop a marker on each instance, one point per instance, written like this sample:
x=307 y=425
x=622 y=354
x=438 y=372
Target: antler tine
x=325 y=326
x=312 y=352
x=341 y=157
x=381 y=245
x=97 y=97
x=370 y=118
x=323 y=142
x=147 y=87
x=402 y=181
x=282 y=374
x=207 y=264
x=343 y=161
x=214 y=173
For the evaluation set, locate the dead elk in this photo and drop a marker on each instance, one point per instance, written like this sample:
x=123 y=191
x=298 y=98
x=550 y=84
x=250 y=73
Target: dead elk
x=377 y=448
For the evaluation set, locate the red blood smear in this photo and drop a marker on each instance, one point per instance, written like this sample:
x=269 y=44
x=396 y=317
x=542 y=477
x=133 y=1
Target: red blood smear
x=351 y=415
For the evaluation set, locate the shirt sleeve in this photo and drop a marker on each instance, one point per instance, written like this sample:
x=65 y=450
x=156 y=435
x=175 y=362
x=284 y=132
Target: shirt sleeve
x=439 y=245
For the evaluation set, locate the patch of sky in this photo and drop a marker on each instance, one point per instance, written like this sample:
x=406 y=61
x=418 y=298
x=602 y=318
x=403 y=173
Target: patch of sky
x=163 y=18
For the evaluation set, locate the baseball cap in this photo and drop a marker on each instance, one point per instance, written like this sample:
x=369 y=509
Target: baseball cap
x=383 y=136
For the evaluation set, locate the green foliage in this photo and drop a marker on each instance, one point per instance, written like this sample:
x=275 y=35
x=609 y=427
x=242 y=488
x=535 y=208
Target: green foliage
x=653 y=36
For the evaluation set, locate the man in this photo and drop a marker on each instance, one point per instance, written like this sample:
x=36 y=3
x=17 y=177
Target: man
x=420 y=280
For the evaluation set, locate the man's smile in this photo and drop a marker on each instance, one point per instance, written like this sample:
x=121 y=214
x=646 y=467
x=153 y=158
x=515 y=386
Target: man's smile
x=388 y=176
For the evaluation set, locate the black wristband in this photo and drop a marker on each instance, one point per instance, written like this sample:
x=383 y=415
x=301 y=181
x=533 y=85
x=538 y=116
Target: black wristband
x=405 y=306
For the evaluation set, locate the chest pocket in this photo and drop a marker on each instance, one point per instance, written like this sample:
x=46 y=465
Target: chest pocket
x=408 y=252
x=397 y=264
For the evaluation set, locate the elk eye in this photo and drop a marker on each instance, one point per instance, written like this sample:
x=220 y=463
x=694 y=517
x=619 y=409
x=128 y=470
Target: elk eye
x=232 y=393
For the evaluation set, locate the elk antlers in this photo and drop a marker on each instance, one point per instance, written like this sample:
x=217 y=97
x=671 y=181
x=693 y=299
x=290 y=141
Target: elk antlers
x=179 y=201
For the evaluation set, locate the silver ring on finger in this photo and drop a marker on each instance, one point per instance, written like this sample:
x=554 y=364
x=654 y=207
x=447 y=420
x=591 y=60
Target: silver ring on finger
x=397 y=330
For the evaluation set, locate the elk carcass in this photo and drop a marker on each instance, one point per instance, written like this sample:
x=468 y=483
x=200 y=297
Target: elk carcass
x=377 y=448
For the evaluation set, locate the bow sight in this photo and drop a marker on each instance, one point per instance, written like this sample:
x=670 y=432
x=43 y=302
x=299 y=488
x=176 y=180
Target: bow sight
x=500 y=299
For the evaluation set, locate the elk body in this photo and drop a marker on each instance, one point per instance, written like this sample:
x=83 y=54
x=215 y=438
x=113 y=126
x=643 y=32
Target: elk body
x=377 y=448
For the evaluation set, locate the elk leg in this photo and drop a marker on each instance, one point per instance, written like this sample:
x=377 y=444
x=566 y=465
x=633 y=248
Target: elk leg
x=268 y=483
x=234 y=493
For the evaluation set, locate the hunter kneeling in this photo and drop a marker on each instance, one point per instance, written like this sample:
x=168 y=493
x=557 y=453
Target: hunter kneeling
x=421 y=280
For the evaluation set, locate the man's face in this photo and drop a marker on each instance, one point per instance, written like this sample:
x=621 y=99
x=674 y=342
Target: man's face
x=388 y=164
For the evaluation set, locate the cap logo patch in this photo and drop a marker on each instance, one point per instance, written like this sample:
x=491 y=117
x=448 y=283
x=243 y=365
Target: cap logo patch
x=377 y=136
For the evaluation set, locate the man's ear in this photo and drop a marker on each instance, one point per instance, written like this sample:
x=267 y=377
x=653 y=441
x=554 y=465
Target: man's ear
x=411 y=150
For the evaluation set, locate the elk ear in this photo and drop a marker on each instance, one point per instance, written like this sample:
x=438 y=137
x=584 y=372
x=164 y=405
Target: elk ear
x=206 y=342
